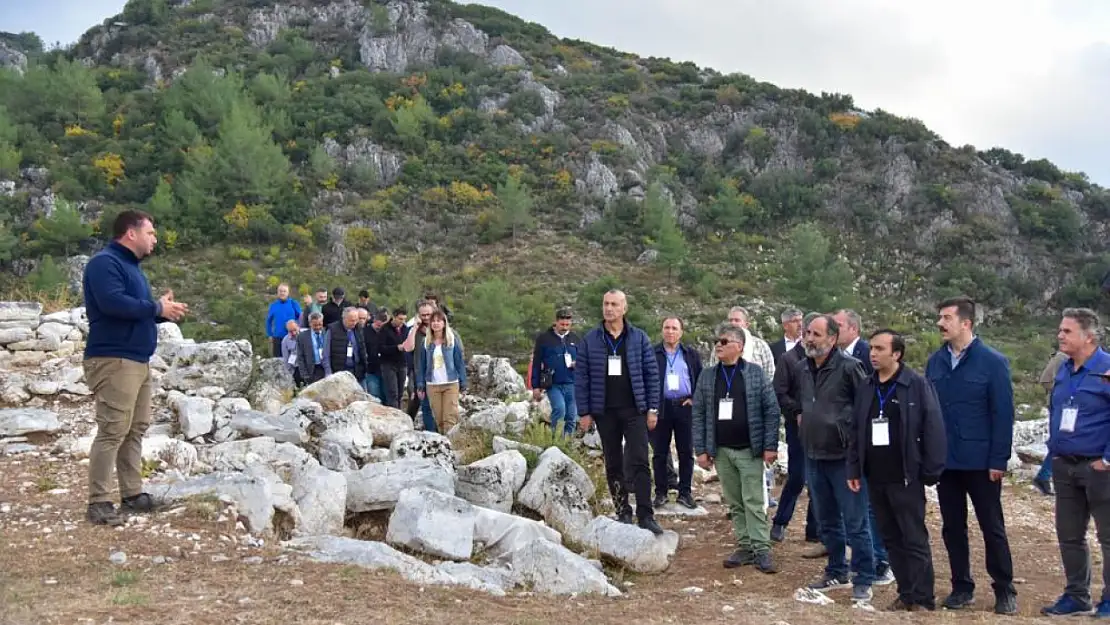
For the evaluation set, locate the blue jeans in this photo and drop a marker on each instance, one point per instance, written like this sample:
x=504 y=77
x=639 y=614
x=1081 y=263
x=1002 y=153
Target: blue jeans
x=426 y=414
x=843 y=519
x=1045 y=473
x=563 y=407
x=373 y=385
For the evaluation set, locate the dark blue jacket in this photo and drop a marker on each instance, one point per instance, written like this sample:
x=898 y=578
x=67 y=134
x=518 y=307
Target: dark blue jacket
x=123 y=315
x=977 y=401
x=693 y=363
x=593 y=363
x=862 y=353
x=549 y=352
x=279 y=314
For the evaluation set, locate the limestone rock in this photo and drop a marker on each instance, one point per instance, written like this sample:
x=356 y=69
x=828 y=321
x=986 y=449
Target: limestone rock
x=169 y=331
x=377 y=486
x=492 y=482
x=282 y=429
x=321 y=496
x=227 y=364
x=20 y=311
x=56 y=331
x=22 y=421
x=432 y=522
x=630 y=546
x=377 y=555
x=335 y=392
x=427 y=445
x=194 y=414
x=253 y=496
x=16 y=335
x=171 y=453
x=273 y=387
x=386 y=423
x=283 y=459
x=13 y=388
x=505 y=56
x=350 y=430
x=501 y=444
x=551 y=568
x=494 y=377
x=559 y=490
x=497 y=533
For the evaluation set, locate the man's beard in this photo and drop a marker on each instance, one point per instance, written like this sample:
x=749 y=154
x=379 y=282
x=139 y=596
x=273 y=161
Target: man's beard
x=815 y=351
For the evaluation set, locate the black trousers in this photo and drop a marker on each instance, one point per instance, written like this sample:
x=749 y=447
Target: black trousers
x=675 y=420
x=393 y=381
x=1082 y=493
x=276 y=344
x=900 y=512
x=986 y=496
x=630 y=427
x=317 y=374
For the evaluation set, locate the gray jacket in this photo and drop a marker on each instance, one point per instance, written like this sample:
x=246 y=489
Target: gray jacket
x=827 y=396
x=760 y=402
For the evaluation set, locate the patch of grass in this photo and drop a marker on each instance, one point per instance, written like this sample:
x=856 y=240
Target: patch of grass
x=473 y=445
x=47 y=483
x=130 y=598
x=204 y=507
x=149 y=467
x=123 y=579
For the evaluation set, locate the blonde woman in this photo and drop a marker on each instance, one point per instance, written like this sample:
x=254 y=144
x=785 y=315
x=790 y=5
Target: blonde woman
x=441 y=372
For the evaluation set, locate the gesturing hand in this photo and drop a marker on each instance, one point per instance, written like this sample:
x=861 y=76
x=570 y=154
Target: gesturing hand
x=171 y=309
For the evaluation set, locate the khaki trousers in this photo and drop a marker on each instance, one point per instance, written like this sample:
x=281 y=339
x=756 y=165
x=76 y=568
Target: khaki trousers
x=444 y=400
x=122 y=389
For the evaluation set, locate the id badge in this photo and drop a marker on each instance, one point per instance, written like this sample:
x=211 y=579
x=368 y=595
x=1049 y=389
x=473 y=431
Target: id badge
x=350 y=351
x=615 y=365
x=292 y=359
x=672 y=381
x=568 y=360
x=1068 y=419
x=724 y=409
x=880 y=433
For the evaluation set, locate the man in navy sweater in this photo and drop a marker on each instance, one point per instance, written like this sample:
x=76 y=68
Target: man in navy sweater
x=123 y=332
x=976 y=396
x=617 y=382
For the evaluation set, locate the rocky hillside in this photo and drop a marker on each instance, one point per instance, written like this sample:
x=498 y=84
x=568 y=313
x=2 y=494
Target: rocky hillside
x=403 y=145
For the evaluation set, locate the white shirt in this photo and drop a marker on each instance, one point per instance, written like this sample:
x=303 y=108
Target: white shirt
x=791 y=343
x=851 y=347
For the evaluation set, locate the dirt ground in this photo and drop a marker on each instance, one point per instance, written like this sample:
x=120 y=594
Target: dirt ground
x=193 y=567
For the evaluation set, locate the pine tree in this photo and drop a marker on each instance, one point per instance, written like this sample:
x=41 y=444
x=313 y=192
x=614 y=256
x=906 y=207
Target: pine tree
x=814 y=277
x=516 y=207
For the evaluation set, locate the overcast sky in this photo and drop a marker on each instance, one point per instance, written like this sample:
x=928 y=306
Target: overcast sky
x=1027 y=75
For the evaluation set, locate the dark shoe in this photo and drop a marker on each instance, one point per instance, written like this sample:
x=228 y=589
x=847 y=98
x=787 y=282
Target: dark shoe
x=959 y=600
x=651 y=525
x=831 y=583
x=764 y=564
x=103 y=513
x=626 y=517
x=884 y=576
x=778 y=533
x=740 y=557
x=1067 y=605
x=139 y=503
x=1102 y=610
x=1005 y=604
x=687 y=500
x=1044 y=486
x=672 y=486
x=659 y=501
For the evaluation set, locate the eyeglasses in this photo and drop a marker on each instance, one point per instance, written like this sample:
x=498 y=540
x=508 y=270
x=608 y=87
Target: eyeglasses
x=722 y=341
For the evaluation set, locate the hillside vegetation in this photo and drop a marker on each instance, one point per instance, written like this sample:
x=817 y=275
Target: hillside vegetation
x=406 y=145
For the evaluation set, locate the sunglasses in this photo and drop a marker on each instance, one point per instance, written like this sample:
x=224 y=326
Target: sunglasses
x=723 y=342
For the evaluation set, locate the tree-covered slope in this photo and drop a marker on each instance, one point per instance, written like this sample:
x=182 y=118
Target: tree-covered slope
x=408 y=144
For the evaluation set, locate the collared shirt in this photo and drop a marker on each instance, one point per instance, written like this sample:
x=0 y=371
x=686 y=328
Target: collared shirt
x=851 y=347
x=289 y=350
x=1090 y=394
x=676 y=364
x=352 y=347
x=791 y=343
x=317 y=346
x=957 y=357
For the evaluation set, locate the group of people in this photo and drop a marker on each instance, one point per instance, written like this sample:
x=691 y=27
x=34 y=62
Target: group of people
x=865 y=433
x=384 y=350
